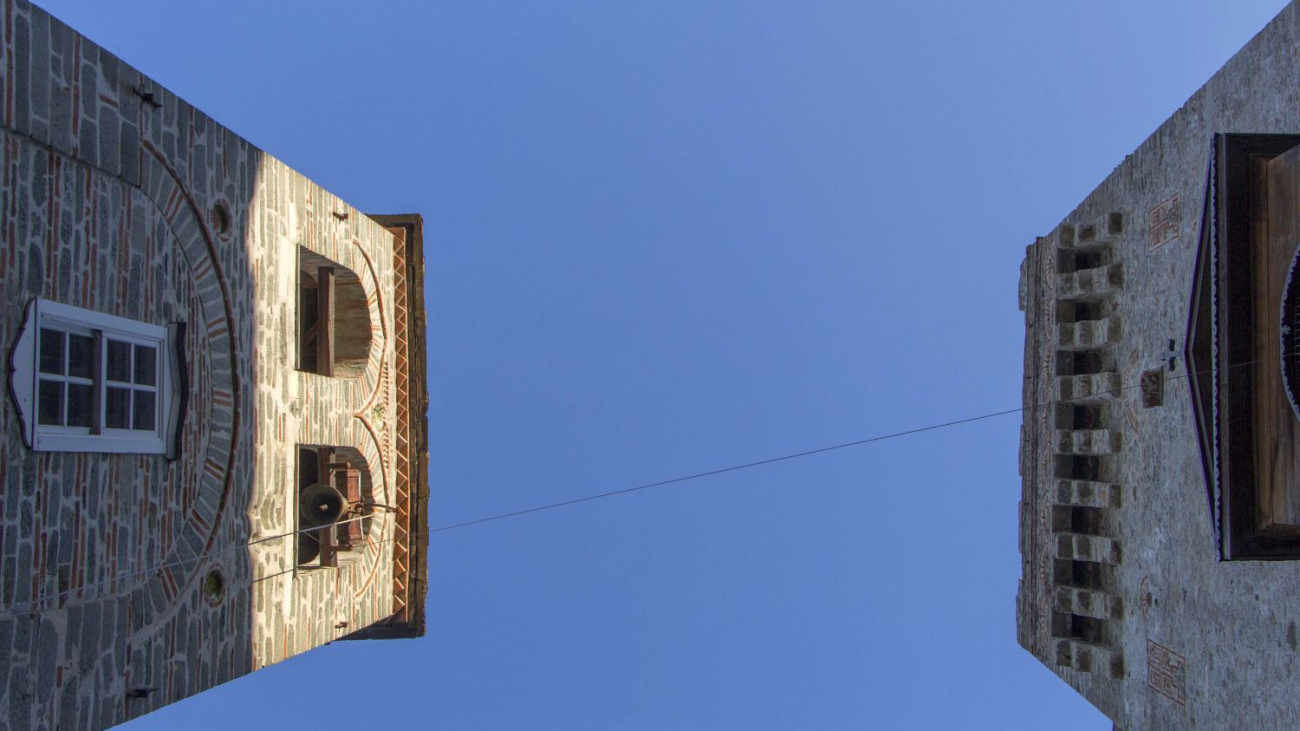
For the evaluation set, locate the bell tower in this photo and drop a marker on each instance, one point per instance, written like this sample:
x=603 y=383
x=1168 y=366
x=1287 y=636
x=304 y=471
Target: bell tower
x=215 y=441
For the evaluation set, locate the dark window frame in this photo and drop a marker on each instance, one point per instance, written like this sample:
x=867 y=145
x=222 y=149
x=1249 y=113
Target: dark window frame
x=1221 y=329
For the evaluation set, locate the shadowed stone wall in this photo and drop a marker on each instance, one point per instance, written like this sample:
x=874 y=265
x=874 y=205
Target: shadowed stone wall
x=117 y=196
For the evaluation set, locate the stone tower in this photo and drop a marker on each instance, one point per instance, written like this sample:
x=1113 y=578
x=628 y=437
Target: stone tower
x=1160 y=450
x=214 y=446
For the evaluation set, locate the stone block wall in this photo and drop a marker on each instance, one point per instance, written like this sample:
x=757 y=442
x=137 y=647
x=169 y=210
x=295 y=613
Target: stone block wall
x=117 y=196
x=1122 y=591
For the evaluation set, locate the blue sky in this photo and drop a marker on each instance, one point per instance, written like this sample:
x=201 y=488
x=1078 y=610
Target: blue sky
x=667 y=237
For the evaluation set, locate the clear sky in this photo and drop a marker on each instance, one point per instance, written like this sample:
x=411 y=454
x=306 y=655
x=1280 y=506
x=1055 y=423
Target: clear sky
x=666 y=237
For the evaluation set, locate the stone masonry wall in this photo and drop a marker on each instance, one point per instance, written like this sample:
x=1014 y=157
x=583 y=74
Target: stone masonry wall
x=1069 y=608
x=1203 y=644
x=117 y=196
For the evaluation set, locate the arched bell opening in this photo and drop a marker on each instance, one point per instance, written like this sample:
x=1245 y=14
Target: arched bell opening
x=333 y=318
x=335 y=501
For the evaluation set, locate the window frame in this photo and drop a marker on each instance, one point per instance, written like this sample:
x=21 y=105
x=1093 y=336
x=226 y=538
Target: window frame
x=26 y=376
x=1222 y=325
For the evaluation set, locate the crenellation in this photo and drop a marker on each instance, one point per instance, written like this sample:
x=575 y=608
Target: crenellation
x=1078 y=510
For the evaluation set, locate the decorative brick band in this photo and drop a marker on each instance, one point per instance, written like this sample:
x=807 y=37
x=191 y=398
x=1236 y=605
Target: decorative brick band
x=410 y=454
x=199 y=534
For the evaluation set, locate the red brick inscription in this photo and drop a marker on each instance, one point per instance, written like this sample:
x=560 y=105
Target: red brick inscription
x=1167 y=672
x=1162 y=223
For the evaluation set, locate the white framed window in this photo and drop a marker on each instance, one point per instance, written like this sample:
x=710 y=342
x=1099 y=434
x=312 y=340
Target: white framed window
x=85 y=381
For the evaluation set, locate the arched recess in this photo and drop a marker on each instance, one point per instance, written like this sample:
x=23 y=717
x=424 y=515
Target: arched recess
x=343 y=535
x=334 y=327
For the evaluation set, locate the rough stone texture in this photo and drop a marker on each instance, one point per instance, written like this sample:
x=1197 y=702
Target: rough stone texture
x=1180 y=639
x=107 y=188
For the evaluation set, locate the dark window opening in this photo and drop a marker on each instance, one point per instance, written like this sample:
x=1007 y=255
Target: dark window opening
x=334 y=504
x=1087 y=260
x=1077 y=416
x=1074 y=260
x=1078 y=519
x=1080 y=628
x=1087 y=629
x=1081 y=467
x=1068 y=311
x=334 y=328
x=1083 y=362
x=1082 y=574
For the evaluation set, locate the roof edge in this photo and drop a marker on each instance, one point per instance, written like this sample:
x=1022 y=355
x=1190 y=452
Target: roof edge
x=410 y=590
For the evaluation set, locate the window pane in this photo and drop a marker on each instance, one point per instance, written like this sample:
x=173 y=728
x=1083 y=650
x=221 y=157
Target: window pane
x=146 y=359
x=50 y=409
x=143 y=411
x=81 y=355
x=117 y=408
x=51 y=351
x=119 y=361
x=80 y=399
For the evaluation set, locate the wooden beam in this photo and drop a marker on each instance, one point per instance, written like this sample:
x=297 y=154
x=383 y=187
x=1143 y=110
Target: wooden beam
x=1277 y=433
x=328 y=552
x=324 y=455
x=325 y=321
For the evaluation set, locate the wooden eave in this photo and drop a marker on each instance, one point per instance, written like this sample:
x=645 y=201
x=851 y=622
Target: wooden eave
x=410 y=550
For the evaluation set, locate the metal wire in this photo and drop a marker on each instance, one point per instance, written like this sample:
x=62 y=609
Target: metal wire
x=11 y=611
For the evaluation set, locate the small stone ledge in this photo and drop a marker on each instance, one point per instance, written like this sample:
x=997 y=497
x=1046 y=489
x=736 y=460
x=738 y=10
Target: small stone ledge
x=1088 y=387
x=1099 y=281
x=1088 y=441
x=1079 y=547
x=1088 y=603
x=1090 y=658
x=1089 y=493
x=1090 y=333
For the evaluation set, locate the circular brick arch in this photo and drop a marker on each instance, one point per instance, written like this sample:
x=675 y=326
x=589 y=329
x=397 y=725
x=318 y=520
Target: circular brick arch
x=369 y=419
x=373 y=380
x=379 y=528
x=373 y=417
x=378 y=372
x=214 y=465
x=358 y=393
